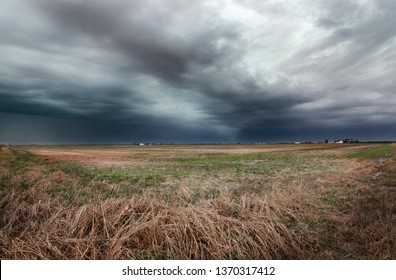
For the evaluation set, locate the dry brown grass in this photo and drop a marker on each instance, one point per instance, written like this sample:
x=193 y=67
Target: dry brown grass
x=338 y=213
x=149 y=228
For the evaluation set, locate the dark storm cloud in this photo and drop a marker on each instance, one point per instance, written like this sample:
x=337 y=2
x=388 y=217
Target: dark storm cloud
x=140 y=33
x=196 y=70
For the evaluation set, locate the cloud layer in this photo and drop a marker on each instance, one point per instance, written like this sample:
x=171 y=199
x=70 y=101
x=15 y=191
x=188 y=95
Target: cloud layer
x=196 y=71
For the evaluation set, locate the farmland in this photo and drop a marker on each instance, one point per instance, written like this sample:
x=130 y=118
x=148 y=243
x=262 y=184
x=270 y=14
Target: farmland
x=309 y=201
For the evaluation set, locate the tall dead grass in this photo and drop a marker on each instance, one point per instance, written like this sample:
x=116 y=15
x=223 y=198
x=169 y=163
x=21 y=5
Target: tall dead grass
x=148 y=228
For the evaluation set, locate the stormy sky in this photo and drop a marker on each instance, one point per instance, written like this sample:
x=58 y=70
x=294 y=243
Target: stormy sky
x=124 y=71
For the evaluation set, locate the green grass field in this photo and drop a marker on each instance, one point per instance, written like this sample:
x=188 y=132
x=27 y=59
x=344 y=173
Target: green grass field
x=198 y=202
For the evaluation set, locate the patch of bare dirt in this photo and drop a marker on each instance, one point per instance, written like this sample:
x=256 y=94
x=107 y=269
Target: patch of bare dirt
x=90 y=157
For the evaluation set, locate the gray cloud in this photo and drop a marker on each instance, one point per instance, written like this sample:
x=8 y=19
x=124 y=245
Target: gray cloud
x=196 y=71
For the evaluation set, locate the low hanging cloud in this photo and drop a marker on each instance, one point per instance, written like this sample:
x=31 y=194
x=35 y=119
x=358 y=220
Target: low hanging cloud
x=196 y=71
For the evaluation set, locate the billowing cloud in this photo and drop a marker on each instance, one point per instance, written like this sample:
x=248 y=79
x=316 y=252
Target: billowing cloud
x=196 y=71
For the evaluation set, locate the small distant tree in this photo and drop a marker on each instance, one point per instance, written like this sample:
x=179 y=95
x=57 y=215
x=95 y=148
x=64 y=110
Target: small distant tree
x=326 y=141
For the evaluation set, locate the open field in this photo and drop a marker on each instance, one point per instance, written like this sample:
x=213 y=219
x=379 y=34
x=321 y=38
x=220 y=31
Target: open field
x=319 y=201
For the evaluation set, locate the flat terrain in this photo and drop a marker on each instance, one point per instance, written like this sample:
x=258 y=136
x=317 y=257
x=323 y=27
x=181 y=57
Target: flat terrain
x=307 y=201
x=136 y=155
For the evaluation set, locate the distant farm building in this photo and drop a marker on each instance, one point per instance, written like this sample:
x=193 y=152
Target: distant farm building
x=348 y=140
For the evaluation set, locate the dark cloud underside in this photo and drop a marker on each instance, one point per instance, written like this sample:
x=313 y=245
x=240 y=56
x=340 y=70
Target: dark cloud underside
x=196 y=71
